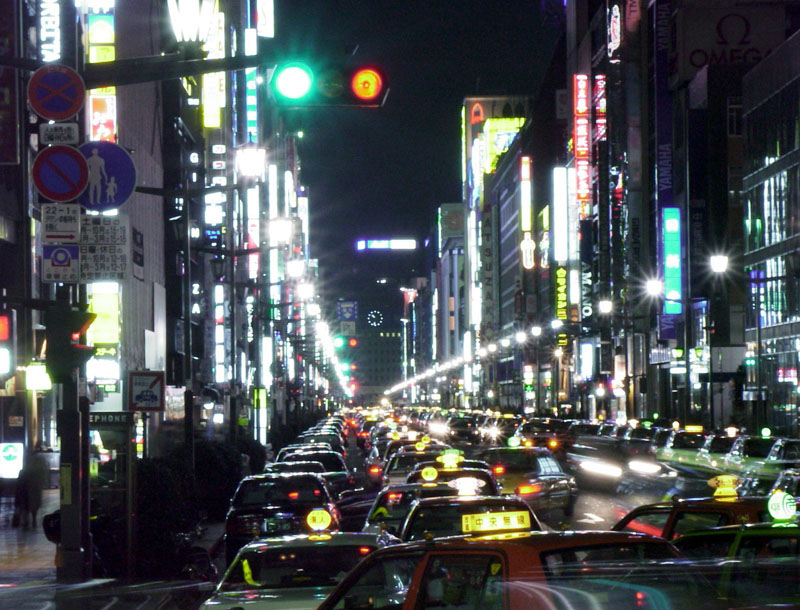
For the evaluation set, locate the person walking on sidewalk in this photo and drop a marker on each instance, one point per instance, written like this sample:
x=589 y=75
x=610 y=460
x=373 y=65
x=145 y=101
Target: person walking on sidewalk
x=28 y=495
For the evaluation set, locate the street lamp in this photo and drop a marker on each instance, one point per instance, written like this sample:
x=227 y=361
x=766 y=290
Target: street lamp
x=719 y=266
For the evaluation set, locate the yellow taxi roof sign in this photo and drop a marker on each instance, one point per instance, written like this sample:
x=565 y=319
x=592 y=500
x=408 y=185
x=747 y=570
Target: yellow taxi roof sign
x=319 y=519
x=694 y=429
x=429 y=473
x=724 y=485
x=495 y=521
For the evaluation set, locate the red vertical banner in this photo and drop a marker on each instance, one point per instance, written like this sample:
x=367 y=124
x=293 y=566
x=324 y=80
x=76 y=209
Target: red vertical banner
x=581 y=143
x=9 y=98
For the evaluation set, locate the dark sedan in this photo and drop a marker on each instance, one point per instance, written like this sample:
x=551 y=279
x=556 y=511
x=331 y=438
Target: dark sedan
x=276 y=505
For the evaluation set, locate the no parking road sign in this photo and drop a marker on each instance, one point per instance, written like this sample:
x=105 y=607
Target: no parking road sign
x=60 y=173
x=60 y=263
x=56 y=92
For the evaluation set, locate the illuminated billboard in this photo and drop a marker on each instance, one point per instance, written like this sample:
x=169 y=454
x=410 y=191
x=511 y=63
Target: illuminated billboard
x=386 y=244
x=581 y=143
x=671 y=260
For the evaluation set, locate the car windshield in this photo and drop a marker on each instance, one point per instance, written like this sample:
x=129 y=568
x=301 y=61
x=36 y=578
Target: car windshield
x=757 y=447
x=688 y=440
x=719 y=444
x=333 y=462
x=446 y=519
x=292 y=490
x=292 y=567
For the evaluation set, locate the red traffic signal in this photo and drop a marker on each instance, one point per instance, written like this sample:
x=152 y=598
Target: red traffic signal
x=7 y=341
x=366 y=84
x=352 y=342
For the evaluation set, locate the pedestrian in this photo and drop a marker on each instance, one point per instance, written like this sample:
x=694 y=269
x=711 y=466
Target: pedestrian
x=37 y=476
x=21 y=505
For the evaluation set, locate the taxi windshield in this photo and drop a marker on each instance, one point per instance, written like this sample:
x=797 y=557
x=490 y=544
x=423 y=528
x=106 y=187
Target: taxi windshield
x=446 y=519
x=719 y=444
x=280 y=568
x=688 y=440
x=261 y=492
x=757 y=447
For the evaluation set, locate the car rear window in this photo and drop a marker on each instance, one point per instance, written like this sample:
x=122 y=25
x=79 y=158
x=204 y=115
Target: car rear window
x=719 y=444
x=282 y=567
x=688 y=441
x=261 y=492
x=758 y=447
x=445 y=519
x=392 y=507
x=333 y=462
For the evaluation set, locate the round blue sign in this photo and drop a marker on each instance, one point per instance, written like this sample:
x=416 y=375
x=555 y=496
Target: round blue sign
x=112 y=176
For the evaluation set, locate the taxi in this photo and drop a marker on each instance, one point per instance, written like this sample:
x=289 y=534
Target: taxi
x=391 y=505
x=754 y=564
x=277 y=504
x=449 y=515
x=534 y=474
x=745 y=452
x=682 y=446
x=294 y=572
x=471 y=481
x=679 y=516
x=489 y=568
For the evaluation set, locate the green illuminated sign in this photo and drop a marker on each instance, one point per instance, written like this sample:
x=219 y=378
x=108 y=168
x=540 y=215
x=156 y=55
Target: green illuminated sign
x=672 y=260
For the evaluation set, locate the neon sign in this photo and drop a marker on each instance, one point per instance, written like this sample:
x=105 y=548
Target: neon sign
x=671 y=260
x=561 y=293
x=581 y=139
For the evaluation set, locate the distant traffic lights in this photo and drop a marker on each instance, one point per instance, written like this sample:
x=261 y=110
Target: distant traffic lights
x=63 y=329
x=352 y=342
x=301 y=84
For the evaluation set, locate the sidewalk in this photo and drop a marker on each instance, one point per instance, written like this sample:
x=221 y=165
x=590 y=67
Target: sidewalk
x=25 y=553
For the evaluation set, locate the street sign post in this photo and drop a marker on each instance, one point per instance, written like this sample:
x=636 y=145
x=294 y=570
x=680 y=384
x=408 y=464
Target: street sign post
x=61 y=263
x=105 y=247
x=112 y=176
x=60 y=173
x=146 y=391
x=56 y=92
x=61 y=223
x=58 y=133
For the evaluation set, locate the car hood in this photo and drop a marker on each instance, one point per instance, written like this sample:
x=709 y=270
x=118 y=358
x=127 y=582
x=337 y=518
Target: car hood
x=301 y=598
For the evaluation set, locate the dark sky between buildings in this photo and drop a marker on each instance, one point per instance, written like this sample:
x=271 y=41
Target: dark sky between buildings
x=382 y=172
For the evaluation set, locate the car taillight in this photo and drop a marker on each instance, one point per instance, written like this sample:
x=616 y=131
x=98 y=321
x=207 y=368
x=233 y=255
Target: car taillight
x=317 y=492
x=394 y=496
x=526 y=490
x=364 y=550
x=375 y=469
x=552 y=443
x=500 y=469
x=250 y=524
x=294 y=495
x=364 y=434
x=528 y=443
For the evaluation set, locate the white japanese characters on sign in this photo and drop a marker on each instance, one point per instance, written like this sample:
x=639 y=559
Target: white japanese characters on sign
x=61 y=223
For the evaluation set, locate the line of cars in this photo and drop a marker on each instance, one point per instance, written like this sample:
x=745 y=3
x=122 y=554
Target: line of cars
x=445 y=527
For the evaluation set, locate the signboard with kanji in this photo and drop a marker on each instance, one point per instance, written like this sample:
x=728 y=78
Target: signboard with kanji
x=61 y=223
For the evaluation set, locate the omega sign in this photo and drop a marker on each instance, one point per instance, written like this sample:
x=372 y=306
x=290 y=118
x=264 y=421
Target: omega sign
x=732 y=37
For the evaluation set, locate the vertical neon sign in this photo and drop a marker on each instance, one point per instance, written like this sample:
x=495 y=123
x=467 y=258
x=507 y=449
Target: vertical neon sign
x=671 y=260
x=581 y=143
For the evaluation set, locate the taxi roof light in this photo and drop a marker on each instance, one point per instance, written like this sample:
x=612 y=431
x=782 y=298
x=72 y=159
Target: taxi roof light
x=319 y=519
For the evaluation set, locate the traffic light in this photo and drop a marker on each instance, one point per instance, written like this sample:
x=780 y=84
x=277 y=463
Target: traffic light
x=63 y=330
x=352 y=342
x=301 y=84
x=338 y=342
x=7 y=332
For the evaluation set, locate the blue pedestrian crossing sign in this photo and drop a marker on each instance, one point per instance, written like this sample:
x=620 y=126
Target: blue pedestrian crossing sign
x=112 y=176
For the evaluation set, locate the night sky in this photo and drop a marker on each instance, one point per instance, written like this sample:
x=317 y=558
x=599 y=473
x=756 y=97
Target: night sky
x=382 y=172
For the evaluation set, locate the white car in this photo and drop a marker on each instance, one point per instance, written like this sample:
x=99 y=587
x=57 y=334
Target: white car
x=292 y=572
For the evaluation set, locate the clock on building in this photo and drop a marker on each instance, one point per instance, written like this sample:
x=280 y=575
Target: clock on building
x=374 y=318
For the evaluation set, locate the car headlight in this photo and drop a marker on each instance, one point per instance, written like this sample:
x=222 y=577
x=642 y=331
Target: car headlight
x=493 y=432
x=605 y=469
x=644 y=467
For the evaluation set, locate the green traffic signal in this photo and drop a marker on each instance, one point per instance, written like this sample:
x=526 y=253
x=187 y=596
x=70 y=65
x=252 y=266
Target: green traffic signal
x=293 y=80
x=322 y=83
x=338 y=342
